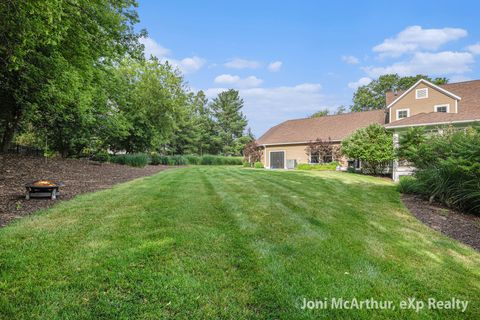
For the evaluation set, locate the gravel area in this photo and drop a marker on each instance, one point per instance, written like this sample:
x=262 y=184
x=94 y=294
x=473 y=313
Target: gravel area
x=79 y=176
x=462 y=227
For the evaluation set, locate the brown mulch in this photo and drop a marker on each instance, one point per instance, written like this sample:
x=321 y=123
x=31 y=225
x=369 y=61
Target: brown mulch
x=79 y=176
x=462 y=227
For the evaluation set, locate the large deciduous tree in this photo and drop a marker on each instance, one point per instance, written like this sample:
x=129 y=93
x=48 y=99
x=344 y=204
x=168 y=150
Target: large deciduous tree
x=52 y=52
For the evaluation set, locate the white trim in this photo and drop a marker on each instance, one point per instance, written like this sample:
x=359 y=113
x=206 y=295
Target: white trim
x=289 y=143
x=435 y=107
x=428 y=83
x=456 y=106
x=284 y=158
x=431 y=124
x=399 y=110
x=416 y=94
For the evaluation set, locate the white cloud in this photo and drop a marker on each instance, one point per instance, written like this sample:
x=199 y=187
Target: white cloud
x=186 y=65
x=189 y=65
x=474 y=48
x=350 y=59
x=266 y=107
x=275 y=66
x=440 y=63
x=416 y=38
x=152 y=48
x=242 y=64
x=237 y=82
x=360 y=82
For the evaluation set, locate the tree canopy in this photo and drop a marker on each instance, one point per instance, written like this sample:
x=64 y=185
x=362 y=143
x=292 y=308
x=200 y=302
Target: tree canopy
x=73 y=80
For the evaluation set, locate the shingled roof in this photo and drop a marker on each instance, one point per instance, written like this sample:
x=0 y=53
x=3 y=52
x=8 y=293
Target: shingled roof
x=468 y=107
x=334 y=127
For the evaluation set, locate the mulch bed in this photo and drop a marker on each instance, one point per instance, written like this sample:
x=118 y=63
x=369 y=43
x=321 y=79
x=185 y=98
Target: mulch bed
x=79 y=176
x=462 y=227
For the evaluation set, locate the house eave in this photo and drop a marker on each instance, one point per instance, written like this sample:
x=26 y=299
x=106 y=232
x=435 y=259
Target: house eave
x=431 y=124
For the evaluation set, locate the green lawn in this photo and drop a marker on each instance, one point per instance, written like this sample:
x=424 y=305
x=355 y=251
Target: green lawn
x=219 y=242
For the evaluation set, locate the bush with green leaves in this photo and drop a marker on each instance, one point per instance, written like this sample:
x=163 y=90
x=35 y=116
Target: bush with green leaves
x=193 y=159
x=373 y=145
x=155 y=159
x=101 y=156
x=447 y=167
x=319 y=166
x=134 y=159
x=258 y=165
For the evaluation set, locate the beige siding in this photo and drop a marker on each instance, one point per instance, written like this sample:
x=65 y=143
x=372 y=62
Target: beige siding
x=426 y=105
x=296 y=152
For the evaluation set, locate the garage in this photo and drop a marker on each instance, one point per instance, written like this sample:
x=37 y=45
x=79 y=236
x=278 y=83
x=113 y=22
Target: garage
x=277 y=159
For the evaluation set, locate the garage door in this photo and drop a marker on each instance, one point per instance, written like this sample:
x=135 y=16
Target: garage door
x=277 y=159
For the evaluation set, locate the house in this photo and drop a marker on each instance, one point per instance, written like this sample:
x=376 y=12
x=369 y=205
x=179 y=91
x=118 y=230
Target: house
x=424 y=104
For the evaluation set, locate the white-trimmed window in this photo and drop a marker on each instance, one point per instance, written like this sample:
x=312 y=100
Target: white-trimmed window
x=421 y=93
x=442 y=108
x=403 y=113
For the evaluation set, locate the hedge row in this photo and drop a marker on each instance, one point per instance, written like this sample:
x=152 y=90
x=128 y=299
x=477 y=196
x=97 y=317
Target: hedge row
x=142 y=159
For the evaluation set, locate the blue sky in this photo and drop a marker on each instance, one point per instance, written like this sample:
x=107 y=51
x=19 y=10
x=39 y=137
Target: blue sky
x=289 y=59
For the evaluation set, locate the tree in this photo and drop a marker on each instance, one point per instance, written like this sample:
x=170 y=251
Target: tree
x=321 y=151
x=230 y=123
x=373 y=145
x=372 y=95
x=46 y=42
x=252 y=152
x=155 y=105
x=321 y=113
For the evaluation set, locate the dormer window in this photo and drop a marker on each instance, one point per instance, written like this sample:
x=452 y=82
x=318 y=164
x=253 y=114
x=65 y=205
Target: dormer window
x=421 y=93
x=442 y=108
x=403 y=113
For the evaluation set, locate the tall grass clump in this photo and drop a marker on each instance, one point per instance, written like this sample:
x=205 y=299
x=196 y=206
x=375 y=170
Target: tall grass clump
x=447 y=166
x=134 y=159
x=331 y=166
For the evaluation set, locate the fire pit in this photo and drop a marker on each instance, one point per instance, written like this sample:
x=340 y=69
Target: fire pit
x=43 y=188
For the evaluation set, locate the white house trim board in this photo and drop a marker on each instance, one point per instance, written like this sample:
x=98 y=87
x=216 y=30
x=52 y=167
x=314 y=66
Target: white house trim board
x=435 y=107
x=432 y=124
x=290 y=143
x=427 y=83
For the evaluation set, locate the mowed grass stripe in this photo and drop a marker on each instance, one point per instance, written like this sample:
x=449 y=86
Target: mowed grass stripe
x=229 y=243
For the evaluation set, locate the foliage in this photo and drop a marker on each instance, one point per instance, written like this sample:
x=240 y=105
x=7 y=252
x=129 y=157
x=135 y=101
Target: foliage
x=410 y=184
x=373 y=145
x=448 y=166
x=321 y=113
x=372 y=95
x=322 y=149
x=258 y=165
x=193 y=159
x=252 y=152
x=54 y=57
x=134 y=159
x=332 y=166
x=230 y=123
x=101 y=156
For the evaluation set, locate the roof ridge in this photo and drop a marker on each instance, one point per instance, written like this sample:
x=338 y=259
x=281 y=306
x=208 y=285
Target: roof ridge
x=334 y=115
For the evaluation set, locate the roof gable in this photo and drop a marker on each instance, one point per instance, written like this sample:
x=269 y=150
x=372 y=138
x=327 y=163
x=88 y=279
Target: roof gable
x=428 y=83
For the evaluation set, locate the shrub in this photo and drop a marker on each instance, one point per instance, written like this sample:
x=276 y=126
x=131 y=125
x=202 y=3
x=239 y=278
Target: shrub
x=155 y=159
x=247 y=165
x=134 y=160
x=101 y=156
x=258 y=165
x=410 y=184
x=448 y=168
x=178 y=160
x=373 y=145
x=193 y=159
x=320 y=166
